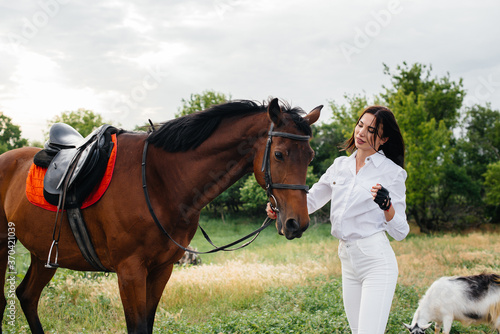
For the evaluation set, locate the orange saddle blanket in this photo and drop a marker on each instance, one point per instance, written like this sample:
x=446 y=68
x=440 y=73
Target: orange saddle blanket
x=34 y=184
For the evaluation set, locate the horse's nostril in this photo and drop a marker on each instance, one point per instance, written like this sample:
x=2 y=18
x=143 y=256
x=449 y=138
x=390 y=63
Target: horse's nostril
x=292 y=225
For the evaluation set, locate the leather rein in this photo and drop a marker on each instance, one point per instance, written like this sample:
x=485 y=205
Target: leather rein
x=266 y=168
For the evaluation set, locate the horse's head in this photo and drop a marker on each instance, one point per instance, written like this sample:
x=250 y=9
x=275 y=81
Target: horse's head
x=281 y=167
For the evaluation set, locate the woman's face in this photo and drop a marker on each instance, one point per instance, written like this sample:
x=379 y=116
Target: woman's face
x=364 y=134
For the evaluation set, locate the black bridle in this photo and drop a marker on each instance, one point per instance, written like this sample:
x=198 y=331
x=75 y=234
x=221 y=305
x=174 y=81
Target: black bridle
x=266 y=168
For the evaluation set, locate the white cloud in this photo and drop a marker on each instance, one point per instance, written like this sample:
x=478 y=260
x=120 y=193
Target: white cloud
x=134 y=61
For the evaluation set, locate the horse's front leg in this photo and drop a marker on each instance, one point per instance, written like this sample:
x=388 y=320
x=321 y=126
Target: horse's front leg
x=132 y=284
x=157 y=279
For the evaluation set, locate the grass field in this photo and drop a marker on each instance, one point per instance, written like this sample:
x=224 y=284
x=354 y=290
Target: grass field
x=272 y=286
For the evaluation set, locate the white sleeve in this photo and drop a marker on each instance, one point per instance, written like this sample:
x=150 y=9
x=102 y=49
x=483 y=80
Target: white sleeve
x=398 y=227
x=320 y=193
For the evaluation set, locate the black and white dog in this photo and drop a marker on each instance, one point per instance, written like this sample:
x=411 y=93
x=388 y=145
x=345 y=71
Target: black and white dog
x=468 y=299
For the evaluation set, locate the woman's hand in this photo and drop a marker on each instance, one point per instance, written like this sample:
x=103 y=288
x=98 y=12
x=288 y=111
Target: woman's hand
x=270 y=213
x=381 y=197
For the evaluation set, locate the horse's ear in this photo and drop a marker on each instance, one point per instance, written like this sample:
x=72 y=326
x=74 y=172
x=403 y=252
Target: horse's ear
x=274 y=111
x=313 y=116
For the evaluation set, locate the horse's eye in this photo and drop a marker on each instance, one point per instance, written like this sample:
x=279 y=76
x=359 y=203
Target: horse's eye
x=278 y=156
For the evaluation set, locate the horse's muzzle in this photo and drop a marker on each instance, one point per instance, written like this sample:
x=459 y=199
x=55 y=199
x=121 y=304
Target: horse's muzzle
x=293 y=229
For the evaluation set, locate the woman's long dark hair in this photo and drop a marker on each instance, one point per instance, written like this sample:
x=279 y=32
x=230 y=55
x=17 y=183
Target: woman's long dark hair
x=394 y=147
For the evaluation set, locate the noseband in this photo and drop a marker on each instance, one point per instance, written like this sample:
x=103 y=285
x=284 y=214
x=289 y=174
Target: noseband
x=266 y=166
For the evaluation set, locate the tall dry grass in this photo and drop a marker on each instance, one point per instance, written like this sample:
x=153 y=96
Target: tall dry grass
x=422 y=259
x=234 y=280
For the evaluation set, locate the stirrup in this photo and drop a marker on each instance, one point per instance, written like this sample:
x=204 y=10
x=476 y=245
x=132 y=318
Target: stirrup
x=53 y=265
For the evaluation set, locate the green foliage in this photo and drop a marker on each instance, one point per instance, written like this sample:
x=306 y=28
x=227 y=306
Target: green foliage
x=326 y=140
x=147 y=127
x=10 y=135
x=198 y=102
x=84 y=121
x=230 y=200
x=492 y=184
x=441 y=194
x=427 y=150
x=445 y=185
x=446 y=188
x=474 y=150
x=479 y=144
x=254 y=198
x=315 y=307
x=442 y=98
x=329 y=137
x=78 y=303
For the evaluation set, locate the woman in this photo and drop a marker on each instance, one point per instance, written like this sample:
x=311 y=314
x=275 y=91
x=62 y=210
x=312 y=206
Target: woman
x=367 y=194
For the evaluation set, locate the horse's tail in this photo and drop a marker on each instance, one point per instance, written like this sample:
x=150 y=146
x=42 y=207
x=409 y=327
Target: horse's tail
x=8 y=164
x=5 y=171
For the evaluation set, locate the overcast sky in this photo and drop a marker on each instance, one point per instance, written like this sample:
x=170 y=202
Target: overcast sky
x=134 y=60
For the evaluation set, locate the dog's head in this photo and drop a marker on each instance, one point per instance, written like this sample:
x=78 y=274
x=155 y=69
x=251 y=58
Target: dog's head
x=416 y=329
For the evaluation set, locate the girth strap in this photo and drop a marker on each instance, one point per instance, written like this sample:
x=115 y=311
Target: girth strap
x=81 y=234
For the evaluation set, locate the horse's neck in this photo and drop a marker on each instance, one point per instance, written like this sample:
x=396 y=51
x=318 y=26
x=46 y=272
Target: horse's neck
x=225 y=157
x=229 y=153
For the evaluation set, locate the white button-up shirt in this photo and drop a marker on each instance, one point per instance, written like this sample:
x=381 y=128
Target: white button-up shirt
x=354 y=215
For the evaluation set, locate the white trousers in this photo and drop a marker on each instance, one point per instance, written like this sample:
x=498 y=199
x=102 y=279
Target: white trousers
x=369 y=277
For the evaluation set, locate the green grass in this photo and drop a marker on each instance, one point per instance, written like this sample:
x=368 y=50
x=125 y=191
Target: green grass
x=272 y=286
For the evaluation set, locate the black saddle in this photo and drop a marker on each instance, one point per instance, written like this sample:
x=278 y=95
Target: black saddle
x=75 y=165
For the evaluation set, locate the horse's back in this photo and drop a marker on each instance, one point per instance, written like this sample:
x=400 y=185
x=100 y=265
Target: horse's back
x=14 y=168
x=17 y=161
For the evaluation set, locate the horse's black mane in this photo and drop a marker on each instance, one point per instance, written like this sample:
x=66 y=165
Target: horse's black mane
x=188 y=132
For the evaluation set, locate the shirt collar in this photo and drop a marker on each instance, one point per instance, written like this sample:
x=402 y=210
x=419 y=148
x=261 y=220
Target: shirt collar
x=377 y=157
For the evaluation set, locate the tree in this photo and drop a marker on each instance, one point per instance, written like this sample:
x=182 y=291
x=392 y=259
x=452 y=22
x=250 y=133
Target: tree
x=329 y=137
x=439 y=193
x=479 y=144
x=198 y=102
x=492 y=184
x=10 y=135
x=477 y=150
x=84 y=121
x=427 y=152
x=442 y=98
x=255 y=198
x=326 y=140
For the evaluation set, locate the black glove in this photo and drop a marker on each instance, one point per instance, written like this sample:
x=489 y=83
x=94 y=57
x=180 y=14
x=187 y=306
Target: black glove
x=383 y=199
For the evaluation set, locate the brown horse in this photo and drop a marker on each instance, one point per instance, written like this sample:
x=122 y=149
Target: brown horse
x=190 y=161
